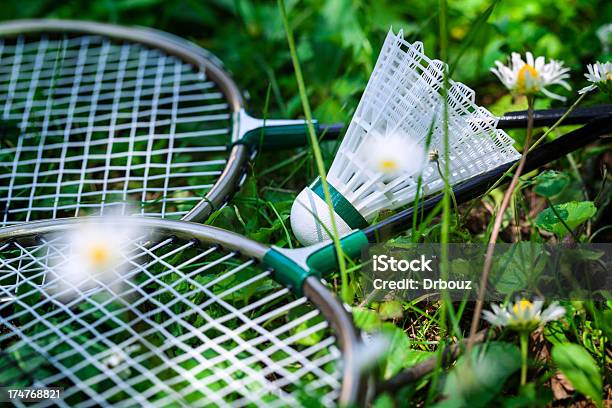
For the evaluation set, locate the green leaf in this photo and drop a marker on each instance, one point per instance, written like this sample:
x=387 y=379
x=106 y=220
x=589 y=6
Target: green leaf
x=366 y=319
x=383 y=401
x=553 y=332
x=573 y=213
x=580 y=369
x=310 y=339
x=550 y=183
x=390 y=310
x=519 y=268
x=606 y=323
x=398 y=348
x=413 y=357
x=477 y=381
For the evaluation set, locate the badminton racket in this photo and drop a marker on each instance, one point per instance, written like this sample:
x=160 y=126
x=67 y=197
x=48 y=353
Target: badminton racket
x=97 y=115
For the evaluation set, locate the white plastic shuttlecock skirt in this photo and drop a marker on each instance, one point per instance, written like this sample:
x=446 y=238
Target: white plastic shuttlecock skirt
x=403 y=99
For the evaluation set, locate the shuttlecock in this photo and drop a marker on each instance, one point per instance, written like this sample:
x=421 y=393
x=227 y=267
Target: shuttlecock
x=398 y=122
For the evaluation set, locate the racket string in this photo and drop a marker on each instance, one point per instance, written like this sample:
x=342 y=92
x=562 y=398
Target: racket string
x=196 y=324
x=234 y=334
x=99 y=124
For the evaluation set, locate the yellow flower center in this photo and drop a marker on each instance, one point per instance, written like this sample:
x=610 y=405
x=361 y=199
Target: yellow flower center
x=523 y=81
x=99 y=255
x=388 y=165
x=522 y=306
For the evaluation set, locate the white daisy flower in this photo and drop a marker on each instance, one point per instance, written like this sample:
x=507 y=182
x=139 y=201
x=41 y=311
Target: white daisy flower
x=92 y=255
x=532 y=76
x=523 y=315
x=600 y=76
x=393 y=155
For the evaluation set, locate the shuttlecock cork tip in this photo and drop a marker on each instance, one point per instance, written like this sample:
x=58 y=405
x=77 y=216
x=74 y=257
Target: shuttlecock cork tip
x=310 y=218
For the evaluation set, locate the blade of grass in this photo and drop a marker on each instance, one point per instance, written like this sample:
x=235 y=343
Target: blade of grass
x=418 y=198
x=426 y=23
x=314 y=144
x=433 y=388
x=283 y=163
x=262 y=133
x=280 y=219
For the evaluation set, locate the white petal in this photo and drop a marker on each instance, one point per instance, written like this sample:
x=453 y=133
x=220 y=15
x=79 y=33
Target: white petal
x=494 y=319
x=565 y=85
x=553 y=312
x=537 y=305
x=497 y=309
x=539 y=63
x=552 y=95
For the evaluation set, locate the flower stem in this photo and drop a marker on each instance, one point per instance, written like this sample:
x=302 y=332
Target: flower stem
x=524 y=349
x=447 y=305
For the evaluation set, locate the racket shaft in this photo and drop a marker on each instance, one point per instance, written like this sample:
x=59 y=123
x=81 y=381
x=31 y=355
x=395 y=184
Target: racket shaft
x=548 y=117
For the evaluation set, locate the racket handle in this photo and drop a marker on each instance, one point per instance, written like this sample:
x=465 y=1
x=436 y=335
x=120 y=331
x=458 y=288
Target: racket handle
x=548 y=117
x=270 y=133
x=478 y=185
x=276 y=137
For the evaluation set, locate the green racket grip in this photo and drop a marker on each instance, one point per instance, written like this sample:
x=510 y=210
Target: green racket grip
x=325 y=259
x=287 y=271
x=278 y=133
x=292 y=266
x=278 y=137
